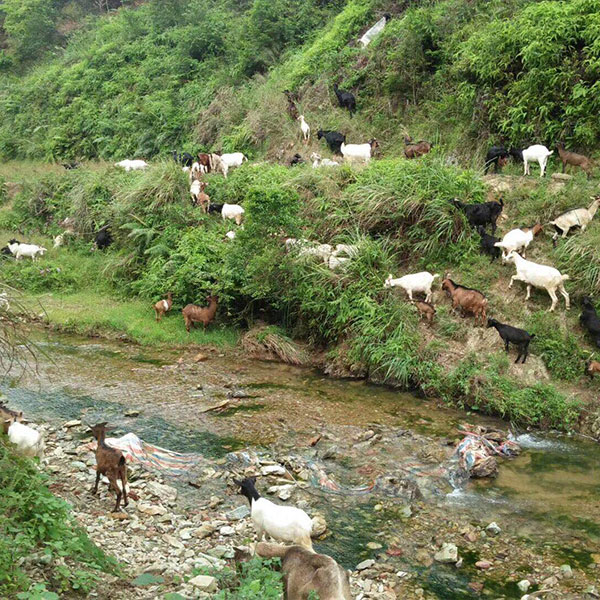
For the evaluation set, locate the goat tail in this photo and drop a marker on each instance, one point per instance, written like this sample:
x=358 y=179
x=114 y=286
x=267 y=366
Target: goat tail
x=436 y=275
x=266 y=550
x=565 y=277
x=500 y=245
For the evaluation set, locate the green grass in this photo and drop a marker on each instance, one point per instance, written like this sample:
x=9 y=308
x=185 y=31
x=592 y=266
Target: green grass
x=87 y=313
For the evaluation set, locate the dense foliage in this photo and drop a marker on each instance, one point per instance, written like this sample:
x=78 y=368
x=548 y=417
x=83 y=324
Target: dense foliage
x=203 y=74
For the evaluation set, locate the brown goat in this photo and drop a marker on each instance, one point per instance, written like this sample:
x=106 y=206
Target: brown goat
x=197 y=314
x=305 y=572
x=163 y=306
x=426 y=310
x=292 y=110
x=416 y=149
x=575 y=160
x=110 y=462
x=592 y=367
x=204 y=160
x=469 y=300
x=6 y=414
x=202 y=198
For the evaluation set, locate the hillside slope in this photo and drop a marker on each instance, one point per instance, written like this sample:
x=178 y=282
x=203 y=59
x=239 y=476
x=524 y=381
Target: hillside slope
x=201 y=74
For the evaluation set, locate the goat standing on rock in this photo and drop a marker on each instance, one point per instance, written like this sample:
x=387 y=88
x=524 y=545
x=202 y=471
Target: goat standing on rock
x=539 y=276
x=111 y=463
x=469 y=300
x=513 y=335
x=282 y=523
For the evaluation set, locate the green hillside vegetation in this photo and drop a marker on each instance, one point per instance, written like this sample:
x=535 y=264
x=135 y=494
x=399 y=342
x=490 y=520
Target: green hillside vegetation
x=145 y=79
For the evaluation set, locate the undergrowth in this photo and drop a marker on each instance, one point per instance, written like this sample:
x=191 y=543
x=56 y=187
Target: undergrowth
x=35 y=525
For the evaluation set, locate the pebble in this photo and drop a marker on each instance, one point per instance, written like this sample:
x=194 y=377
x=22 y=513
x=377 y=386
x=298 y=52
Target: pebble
x=205 y=583
x=374 y=546
x=483 y=564
x=524 y=585
x=227 y=530
x=447 y=554
x=493 y=528
x=566 y=571
x=74 y=423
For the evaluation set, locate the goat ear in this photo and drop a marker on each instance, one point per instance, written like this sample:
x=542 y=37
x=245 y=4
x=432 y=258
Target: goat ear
x=252 y=479
x=237 y=482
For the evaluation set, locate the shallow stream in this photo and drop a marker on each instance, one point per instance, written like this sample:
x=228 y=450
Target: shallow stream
x=547 y=499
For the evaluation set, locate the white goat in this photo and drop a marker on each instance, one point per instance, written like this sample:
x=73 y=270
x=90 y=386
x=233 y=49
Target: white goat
x=195 y=190
x=417 y=282
x=196 y=171
x=282 y=523
x=372 y=33
x=575 y=217
x=228 y=161
x=305 y=129
x=233 y=211
x=358 y=152
x=350 y=250
x=539 y=153
x=30 y=251
x=322 y=162
x=338 y=261
x=29 y=442
x=518 y=240
x=539 y=276
x=132 y=165
x=305 y=247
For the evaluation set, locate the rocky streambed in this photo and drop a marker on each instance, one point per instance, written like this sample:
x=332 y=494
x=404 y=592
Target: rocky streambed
x=374 y=467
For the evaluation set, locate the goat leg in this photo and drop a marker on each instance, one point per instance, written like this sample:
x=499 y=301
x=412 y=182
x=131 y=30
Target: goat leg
x=95 y=488
x=506 y=346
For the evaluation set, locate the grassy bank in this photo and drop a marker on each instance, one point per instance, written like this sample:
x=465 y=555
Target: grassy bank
x=36 y=525
x=90 y=314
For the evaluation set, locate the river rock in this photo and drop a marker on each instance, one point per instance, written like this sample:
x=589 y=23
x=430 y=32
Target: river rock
x=524 y=585
x=493 y=529
x=164 y=492
x=241 y=512
x=132 y=413
x=151 y=509
x=172 y=541
x=284 y=492
x=365 y=564
x=227 y=530
x=374 y=546
x=186 y=534
x=205 y=583
x=205 y=530
x=273 y=470
x=319 y=526
x=566 y=571
x=447 y=554
x=483 y=564
x=73 y=423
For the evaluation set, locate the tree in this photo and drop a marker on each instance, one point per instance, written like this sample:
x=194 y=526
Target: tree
x=30 y=26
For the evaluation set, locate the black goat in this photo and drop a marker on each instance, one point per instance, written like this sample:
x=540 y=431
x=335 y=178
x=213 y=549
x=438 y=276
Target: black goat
x=509 y=334
x=516 y=154
x=487 y=243
x=346 y=99
x=296 y=160
x=74 y=164
x=334 y=139
x=481 y=214
x=103 y=238
x=589 y=319
x=497 y=156
x=215 y=208
x=6 y=250
x=185 y=158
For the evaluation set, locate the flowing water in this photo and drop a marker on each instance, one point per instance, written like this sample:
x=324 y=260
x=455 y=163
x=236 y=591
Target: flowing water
x=547 y=498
